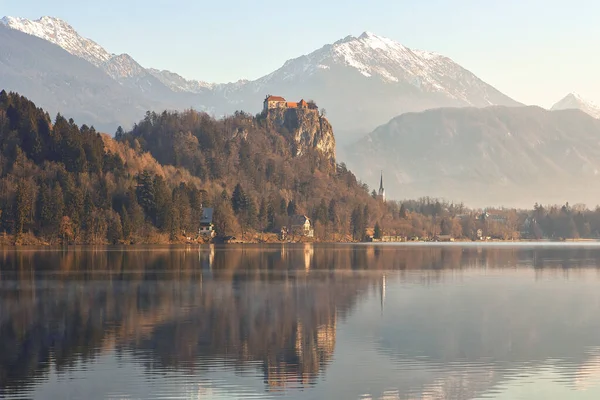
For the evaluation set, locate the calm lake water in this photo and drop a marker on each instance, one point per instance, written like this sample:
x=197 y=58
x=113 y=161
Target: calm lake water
x=301 y=322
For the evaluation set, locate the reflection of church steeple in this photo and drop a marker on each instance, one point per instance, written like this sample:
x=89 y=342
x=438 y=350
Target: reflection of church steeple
x=382 y=293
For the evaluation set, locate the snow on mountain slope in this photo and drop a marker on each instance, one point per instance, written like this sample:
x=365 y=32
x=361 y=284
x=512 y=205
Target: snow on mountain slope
x=60 y=33
x=574 y=101
x=362 y=81
x=178 y=83
x=365 y=81
x=377 y=57
x=122 y=68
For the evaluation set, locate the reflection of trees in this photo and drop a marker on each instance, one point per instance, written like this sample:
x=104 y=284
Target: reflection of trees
x=276 y=307
x=59 y=307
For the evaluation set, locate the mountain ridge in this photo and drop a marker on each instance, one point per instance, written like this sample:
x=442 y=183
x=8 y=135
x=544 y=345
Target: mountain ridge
x=511 y=156
x=361 y=81
x=575 y=101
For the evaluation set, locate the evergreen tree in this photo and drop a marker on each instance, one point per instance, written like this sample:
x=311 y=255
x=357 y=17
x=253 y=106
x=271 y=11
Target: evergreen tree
x=23 y=207
x=403 y=213
x=377 y=234
x=291 y=208
x=238 y=199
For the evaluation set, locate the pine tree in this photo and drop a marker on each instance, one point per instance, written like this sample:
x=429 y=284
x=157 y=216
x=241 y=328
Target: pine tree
x=377 y=234
x=22 y=206
x=291 y=208
x=262 y=214
x=238 y=199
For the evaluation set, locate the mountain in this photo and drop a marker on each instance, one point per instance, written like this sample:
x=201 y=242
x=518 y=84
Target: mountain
x=177 y=83
x=362 y=81
x=122 y=68
x=62 y=34
x=62 y=82
x=491 y=156
x=367 y=80
x=575 y=102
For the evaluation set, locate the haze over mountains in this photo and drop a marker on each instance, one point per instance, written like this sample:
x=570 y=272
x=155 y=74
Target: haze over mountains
x=362 y=81
x=477 y=152
x=512 y=156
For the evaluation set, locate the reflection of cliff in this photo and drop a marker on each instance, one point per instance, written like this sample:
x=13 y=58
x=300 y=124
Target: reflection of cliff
x=162 y=304
x=276 y=309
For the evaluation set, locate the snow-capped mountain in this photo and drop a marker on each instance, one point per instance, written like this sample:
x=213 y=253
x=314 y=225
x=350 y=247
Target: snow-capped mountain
x=367 y=80
x=574 y=101
x=390 y=62
x=178 y=83
x=120 y=67
x=362 y=81
x=62 y=34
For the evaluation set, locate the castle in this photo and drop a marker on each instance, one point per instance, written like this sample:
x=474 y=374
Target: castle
x=278 y=102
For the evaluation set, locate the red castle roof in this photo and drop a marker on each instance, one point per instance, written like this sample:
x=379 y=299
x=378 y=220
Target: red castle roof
x=275 y=98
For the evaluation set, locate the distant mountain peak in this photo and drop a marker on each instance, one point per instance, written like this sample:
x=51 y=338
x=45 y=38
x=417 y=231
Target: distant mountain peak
x=59 y=32
x=575 y=101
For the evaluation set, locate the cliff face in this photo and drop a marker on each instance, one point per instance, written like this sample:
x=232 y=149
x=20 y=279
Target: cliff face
x=307 y=130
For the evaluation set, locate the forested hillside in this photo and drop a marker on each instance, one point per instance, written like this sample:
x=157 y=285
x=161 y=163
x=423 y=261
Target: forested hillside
x=259 y=171
x=64 y=183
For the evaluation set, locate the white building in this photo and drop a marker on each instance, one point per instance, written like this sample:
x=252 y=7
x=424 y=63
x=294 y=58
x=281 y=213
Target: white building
x=207 y=228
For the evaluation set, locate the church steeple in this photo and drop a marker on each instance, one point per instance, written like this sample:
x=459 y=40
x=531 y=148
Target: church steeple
x=381 y=189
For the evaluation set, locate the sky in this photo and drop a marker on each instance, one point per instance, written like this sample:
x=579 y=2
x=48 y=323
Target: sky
x=532 y=50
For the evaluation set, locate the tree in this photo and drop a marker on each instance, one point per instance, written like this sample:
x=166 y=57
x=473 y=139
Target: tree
x=145 y=192
x=403 y=213
x=224 y=219
x=262 y=214
x=22 y=206
x=238 y=199
x=357 y=223
x=377 y=234
x=119 y=133
x=291 y=208
x=66 y=229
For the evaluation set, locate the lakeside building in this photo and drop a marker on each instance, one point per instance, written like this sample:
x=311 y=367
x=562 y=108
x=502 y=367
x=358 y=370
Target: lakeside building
x=207 y=227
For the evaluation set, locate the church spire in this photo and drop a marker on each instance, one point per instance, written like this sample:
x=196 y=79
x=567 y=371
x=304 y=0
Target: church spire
x=381 y=189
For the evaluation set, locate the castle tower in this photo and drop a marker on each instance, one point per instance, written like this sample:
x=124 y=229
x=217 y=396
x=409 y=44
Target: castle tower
x=381 y=189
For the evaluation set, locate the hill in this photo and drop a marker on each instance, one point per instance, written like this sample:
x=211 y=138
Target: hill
x=491 y=156
x=67 y=183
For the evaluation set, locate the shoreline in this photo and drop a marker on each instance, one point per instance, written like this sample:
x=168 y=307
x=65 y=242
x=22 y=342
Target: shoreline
x=5 y=242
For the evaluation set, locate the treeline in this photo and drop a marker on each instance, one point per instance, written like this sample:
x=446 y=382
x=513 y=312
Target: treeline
x=428 y=218
x=60 y=183
x=63 y=183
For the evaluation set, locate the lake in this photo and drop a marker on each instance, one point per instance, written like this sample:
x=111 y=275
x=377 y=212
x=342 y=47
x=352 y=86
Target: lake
x=385 y=321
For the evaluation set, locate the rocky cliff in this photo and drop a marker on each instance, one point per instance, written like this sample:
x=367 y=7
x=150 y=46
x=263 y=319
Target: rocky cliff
x=307 y=130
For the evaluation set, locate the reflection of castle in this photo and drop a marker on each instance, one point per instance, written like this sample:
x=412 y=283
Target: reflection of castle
x=312 y=351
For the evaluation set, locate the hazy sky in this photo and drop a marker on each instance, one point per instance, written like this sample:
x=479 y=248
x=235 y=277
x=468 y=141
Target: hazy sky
x=534 y=51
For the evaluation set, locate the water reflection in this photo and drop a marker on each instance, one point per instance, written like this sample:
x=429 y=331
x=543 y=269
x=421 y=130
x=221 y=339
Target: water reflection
x=342 y=321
